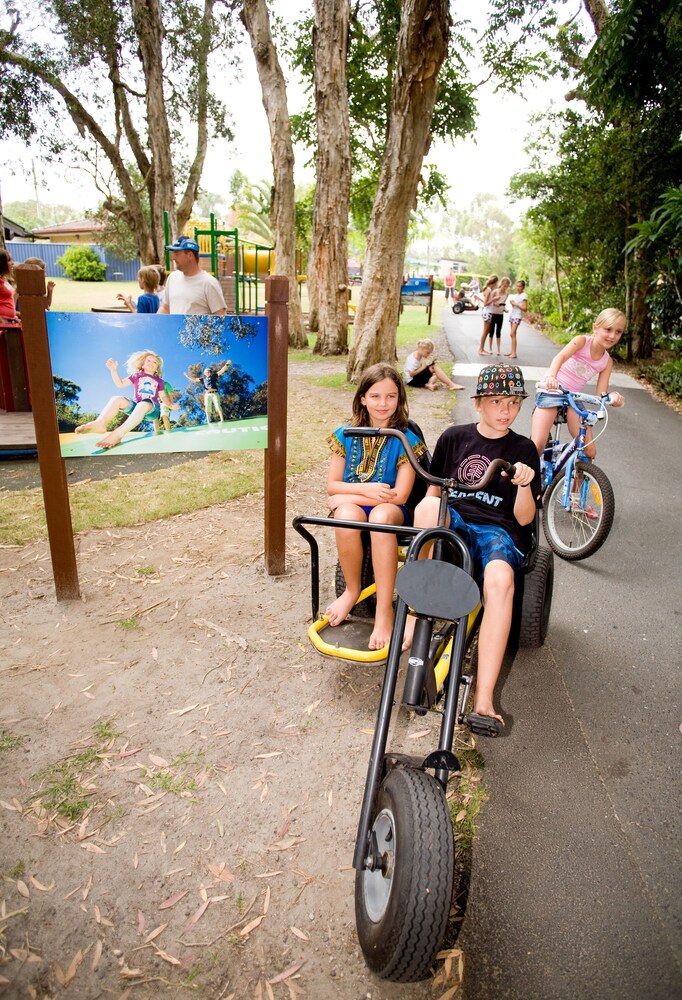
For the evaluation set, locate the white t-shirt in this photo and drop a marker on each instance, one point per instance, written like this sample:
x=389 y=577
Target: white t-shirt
x=516 y=301
x=412 y=365
x=200 y=295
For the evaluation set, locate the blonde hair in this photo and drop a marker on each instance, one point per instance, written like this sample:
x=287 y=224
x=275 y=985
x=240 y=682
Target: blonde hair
x=427 y=343
x=149 y=278
x=491 y=282
x=505 y=281
x=136 y=361
x=608 y=316
x=35 y=260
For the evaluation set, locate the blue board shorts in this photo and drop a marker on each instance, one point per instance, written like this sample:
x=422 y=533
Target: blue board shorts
x=486 y=542
x=406 y=516
x=153 y=414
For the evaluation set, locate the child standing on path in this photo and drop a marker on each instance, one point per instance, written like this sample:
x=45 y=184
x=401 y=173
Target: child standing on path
x=572 y=368
x=144 y=368
x=421 y=371
x=148 y=302
x=492 y=522
x=519 y=304
x=486 y=296
x=496 y=307
x=370 y=479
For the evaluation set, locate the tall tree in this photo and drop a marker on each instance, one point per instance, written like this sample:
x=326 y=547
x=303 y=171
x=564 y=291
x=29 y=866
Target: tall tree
x=119 y=69
x=333 y=172
x=420 y=50
x=283 y=211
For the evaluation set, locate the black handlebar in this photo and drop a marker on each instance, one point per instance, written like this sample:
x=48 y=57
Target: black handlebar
x=443 y=484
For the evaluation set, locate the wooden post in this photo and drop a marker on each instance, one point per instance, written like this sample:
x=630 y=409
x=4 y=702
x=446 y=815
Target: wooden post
x=277 y=312
x=31 y=287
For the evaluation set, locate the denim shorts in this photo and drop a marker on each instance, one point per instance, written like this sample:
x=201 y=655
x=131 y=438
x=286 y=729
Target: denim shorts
x=486 y=542
x=545 y=399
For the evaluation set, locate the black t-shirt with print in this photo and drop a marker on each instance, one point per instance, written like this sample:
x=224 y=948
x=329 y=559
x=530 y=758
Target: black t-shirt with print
x=464 y=454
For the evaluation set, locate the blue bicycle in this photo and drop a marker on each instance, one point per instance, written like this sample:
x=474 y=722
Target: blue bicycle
x=578 y=500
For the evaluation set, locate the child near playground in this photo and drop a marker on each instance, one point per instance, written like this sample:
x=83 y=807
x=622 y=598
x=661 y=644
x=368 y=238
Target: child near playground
x=494 y=522
x=421 y=371
x=50 y=285
x=209 y=380
x=370 y=479
x=148 y=302
x=519 y=305
x=144 y=374
x=572 y=368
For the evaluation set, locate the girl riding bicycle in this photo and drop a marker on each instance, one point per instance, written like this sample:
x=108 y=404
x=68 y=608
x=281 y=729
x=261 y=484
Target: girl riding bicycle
x=572 y=368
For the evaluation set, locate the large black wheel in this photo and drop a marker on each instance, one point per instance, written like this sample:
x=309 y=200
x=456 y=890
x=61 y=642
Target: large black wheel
x=458 y=308
x=536 y=602
x=367 y=607
x=577 y=533
x=401 y=910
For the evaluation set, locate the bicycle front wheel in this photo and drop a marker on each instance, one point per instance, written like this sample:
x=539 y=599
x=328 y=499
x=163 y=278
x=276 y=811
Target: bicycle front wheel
x=578 y=532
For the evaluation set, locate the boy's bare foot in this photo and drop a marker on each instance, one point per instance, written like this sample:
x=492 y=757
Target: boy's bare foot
x=91 y=425
x=339 y=609
x=485 y=352
x=381 y=633
x=110 y=441
x=511 y=355
x=486 y=707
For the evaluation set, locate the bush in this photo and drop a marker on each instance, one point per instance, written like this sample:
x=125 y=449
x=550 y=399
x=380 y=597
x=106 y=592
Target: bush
x=667 y=377
x=82 y=264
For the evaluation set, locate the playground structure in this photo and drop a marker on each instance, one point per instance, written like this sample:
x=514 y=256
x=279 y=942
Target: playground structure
x=241 y=266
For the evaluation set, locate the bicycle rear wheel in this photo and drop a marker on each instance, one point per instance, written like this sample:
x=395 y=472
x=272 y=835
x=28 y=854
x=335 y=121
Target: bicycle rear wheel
x=578 y=532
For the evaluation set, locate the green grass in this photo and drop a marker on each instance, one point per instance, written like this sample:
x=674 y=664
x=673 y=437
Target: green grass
x=81 y=296
x=168 y=779
x=10 y=742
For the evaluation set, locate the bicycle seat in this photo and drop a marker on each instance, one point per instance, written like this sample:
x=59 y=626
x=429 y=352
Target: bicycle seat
x=437 y=589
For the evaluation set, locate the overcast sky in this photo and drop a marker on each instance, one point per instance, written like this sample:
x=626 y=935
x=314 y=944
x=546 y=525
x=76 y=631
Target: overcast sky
x=481 y=163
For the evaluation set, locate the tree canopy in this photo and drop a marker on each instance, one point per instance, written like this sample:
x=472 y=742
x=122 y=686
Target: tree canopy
x=134 y=82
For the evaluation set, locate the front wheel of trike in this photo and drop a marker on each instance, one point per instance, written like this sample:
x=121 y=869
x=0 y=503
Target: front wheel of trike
x=402 y=908
x=578 y=532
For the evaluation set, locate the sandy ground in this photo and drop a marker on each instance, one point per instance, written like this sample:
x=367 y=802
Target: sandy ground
x=181 y=772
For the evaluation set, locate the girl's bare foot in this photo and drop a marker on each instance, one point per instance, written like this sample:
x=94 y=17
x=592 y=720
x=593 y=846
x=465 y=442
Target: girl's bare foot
x=453 y=385
x=91 y=425
x=408 y=634
x=110 y=441
x=339 y=609
x=381 y=633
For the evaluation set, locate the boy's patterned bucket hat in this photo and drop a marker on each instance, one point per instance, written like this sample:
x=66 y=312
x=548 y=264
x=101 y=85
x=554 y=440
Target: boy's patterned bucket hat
x=500 y=380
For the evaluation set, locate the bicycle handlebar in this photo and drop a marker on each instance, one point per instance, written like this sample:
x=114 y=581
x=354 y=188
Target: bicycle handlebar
x=572 y=399
x=443 y=484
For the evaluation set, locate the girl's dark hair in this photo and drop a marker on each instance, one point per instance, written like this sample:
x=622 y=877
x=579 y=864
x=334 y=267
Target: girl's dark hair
x=4 y=263
x=372 y=375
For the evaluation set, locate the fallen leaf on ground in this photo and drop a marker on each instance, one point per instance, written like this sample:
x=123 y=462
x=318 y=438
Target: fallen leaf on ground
x=286 y=845
x=291 y=971
x=299 y=934
x=419 y=735
x=172 y=900
x=274 y=753
x=251 y=926
x=168 y=958
x=155 y=933
x=195 y=918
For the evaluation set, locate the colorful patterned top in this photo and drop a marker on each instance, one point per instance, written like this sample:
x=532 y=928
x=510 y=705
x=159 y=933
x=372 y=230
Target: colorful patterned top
x=373 y=460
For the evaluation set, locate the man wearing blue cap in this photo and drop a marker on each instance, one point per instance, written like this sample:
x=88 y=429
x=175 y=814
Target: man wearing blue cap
x=191 y=291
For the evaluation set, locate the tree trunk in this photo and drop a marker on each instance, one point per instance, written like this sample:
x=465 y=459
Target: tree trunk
x=257 y=22
x=333 y=169
x=641 y=332
x=599 y=14
x=313 y=311
x=420 y=51
x=557 y=278
x=149 y=27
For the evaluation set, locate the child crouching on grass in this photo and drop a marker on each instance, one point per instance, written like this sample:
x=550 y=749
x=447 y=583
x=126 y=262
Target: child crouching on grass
x=421 y=371
x=493 y=523
x=370 y=479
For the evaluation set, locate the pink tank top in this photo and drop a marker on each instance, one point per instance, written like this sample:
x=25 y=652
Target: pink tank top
x=581 y=367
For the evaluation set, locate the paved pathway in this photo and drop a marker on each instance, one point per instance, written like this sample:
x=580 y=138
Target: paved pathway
x=576 y=885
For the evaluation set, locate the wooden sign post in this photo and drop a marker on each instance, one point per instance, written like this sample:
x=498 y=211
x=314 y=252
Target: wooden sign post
x=277 y=312
x=31 y=287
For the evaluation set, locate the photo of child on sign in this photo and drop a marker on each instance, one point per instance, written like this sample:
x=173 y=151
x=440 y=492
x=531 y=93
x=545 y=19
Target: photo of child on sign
x=144 y=356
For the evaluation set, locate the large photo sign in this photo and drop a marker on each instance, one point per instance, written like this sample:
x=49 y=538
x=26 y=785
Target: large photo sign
x=139 y=383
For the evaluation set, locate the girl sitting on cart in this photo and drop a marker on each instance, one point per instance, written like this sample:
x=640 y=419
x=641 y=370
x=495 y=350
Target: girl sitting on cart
x=370 y=479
